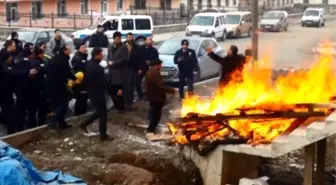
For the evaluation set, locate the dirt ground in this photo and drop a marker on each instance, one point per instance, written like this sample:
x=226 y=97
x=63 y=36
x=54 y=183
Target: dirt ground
x=128 y=160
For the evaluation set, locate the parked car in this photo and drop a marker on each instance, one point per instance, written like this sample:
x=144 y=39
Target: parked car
x=140 y=25
x=37 y=35
x=208 y=67
x=274 y=21
x=238 y=23
x=313 y=17
x=208 y=24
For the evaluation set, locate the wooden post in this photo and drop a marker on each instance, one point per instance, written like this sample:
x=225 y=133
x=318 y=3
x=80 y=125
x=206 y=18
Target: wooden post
x=320 y=161
x=309 y=164
x=255 y=37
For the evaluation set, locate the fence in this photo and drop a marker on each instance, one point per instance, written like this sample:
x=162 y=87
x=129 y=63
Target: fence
x=77 y=21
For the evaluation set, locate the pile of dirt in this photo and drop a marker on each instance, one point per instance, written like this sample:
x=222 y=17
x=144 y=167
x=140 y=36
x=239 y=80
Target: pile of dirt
x=129 y=159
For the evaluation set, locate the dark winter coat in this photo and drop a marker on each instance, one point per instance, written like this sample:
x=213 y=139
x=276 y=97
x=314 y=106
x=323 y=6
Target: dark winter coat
x=99 y=40
x=119 y=56
x=186 y=61
x=230 y=64
x=146 y=54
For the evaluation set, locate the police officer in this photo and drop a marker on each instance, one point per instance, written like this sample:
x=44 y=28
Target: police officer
x=21 y=87
x=187 y=63
x=99 y=39
x=58 y=74
x=20 y=57
x=6 y=84
x=18 y=43
x=78 y=63
x=37 y=96
x=97 y=85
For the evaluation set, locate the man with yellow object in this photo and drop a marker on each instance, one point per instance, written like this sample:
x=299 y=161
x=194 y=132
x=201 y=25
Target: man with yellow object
x=78 y=64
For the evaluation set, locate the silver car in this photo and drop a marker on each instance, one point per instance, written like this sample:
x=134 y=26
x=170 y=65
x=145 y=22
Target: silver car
x=208 y=67
x=274 y=21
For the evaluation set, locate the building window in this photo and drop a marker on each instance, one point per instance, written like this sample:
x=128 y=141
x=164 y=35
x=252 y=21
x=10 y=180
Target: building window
x=227 y=3
x=140 y=4
x=61 y=8
x=84 y=6
x=165 y=4
x=234 y=2
x=12 y=14
x=209 y=5
x=36 y=10
x=103 y=6
x=119 y=5
x=219 y=3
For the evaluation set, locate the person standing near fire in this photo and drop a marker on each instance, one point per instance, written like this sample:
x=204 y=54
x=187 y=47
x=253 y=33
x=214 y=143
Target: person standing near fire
x=99 y=39
x=156 y=95
x=186 y=60
x=232 y=64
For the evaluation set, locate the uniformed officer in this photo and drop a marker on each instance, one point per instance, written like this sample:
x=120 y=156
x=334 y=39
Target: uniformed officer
x=37 y=108
x=18 y=43
x=185 y=59
x=78 y=63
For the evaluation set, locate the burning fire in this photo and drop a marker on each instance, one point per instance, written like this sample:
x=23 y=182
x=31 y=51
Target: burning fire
x=316 y=85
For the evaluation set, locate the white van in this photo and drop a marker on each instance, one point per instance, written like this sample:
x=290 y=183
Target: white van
x=313 y=17
x=140 y=25
x=207 y=25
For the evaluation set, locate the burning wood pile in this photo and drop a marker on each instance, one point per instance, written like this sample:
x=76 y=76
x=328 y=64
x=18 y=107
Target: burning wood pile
x=256 y=111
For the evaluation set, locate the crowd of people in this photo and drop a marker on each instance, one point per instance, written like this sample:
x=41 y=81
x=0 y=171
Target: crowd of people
x=34 y=85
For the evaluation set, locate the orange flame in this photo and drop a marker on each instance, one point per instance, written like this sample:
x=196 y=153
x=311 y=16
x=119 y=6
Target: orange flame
x=316 y=85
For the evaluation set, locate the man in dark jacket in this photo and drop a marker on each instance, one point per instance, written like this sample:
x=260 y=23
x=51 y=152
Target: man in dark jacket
x=156 y=95
x=118 y=58
x=59 y=72
x=146 y=54
x=19 y=57
x=18 y=43
x=6 y=84
x=97 y=86
x=130 y=71
x=99 y=39
x=78 y=63
x=37 y=103
x=185 y=59
x=23 y=72
x=232 y=65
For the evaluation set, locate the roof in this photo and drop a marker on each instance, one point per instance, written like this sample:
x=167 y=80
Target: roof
x=315 y=9
x=193 y=38
x=238 y=13
x=37 y=29
x=127 y=16
x=210 y=13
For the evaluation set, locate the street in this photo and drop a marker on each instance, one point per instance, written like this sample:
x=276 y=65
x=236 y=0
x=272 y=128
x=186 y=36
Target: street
x=291 y=49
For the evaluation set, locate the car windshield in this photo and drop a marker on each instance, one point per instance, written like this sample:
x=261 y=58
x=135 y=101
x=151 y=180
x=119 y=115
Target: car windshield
x=27 y=36
x=202 y=21
x=169 y=47
x=311 y=13
x=272 y=15
x=232 y=19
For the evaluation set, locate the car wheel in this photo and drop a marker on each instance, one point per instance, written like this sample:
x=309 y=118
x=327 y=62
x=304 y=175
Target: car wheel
x=323 y=24
x=238 y=34
x=249 y=34
x=319 y=24
x=286 y=28
x=224 y=36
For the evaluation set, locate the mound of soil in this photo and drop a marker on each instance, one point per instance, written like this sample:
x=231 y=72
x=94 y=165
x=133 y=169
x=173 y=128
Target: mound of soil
x=128 y=160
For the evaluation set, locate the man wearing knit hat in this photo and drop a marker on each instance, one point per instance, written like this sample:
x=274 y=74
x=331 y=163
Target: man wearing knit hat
x=185 y=59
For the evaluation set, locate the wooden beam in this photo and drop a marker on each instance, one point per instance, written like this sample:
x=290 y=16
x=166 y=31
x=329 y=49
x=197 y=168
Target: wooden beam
x=309 y=164
x=320 y=161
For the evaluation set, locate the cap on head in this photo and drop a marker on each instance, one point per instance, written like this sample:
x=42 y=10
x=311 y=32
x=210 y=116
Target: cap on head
x=28 y=45
x=155 y=62
x=14 y=34
x=100 y=26
x=56 y=30
x=185 y=42
x=116 y=34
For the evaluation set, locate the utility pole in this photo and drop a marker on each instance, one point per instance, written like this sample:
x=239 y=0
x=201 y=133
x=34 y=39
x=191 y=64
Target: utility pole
x=255 y=36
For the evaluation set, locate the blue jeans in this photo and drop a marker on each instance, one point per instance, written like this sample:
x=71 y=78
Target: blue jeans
x=186 y=79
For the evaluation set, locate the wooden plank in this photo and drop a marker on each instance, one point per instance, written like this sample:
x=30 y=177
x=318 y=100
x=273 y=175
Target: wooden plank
x=309 y=164
x=160 y=137
x=320 y=161
x=250 y=116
